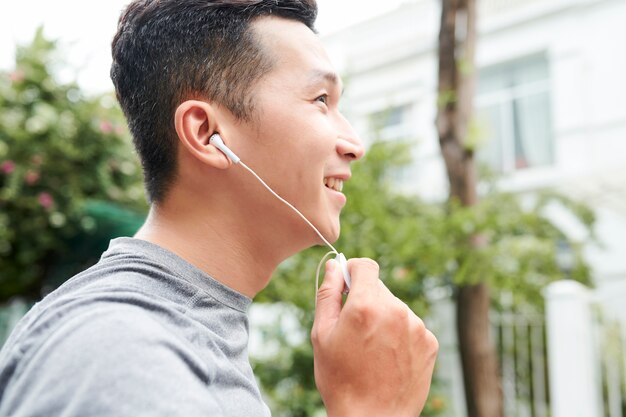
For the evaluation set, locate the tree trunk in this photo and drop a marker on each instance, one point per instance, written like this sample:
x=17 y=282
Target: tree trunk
x=483 y=394
x=457 y=40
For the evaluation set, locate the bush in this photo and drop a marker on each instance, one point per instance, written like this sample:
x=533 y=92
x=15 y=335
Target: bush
x=59 y=150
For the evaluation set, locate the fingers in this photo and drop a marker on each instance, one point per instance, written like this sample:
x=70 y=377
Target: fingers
x=375 y=328
x=328 y=304
x=365 y=275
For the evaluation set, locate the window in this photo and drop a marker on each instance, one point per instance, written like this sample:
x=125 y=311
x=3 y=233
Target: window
x=392 y=123
x=513 y=110
x=395 y=124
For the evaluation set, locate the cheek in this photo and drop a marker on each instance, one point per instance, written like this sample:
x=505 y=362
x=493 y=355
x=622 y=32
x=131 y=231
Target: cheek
x=292 y=146
x=304 y=140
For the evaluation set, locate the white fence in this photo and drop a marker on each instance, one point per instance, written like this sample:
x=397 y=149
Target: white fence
x=570 y=363
x=586 y=354
x=521 y=342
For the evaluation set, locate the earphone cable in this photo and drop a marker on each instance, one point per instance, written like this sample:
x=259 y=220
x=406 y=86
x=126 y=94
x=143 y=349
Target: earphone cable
x=317 y=274
x=292 y=207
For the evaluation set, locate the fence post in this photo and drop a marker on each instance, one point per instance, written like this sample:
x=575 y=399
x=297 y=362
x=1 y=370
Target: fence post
x=575 y=386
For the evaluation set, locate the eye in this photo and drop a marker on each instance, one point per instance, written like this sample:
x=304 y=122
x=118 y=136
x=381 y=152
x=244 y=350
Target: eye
x=323 y=98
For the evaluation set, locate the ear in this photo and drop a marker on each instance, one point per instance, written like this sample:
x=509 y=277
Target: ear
x=195 y=122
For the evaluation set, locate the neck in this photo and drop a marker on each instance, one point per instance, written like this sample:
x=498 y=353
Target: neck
x=233 y=247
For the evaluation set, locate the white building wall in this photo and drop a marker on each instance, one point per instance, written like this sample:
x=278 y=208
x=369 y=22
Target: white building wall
x=391 y=61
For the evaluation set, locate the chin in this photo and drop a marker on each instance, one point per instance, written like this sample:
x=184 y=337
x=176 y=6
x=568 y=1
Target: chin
x=329 y=226
x=334 y=232
x=330 y=233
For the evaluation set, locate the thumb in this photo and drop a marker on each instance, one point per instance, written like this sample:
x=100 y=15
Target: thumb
x=328 y=302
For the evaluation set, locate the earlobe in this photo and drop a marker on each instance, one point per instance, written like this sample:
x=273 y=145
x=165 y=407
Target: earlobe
x=195 y=122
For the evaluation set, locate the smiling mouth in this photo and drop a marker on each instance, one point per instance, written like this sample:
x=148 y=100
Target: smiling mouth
x=333 y=183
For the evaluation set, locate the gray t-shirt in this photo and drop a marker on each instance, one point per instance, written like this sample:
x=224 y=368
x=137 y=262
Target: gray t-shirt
x=141 y=333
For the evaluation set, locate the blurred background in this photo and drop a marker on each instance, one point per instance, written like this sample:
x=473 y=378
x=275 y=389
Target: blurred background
x=519 y=267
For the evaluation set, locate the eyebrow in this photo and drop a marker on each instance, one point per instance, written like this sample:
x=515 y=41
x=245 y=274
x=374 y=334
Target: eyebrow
x=318 y=76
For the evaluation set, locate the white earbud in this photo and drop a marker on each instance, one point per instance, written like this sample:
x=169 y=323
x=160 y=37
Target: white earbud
x=216 y=140
x=343 y=263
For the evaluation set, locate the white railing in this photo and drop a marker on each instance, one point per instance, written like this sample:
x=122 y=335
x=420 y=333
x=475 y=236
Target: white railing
x=570 y=363
x=586 y=354
x=521 y=345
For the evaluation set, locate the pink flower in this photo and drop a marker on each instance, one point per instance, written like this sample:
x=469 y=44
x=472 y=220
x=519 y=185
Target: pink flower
x=16 y=76
x=106 y=126
x=31 y=177
x=400 y=273
x=480 y=240
x=7 y=167
x=45 y=200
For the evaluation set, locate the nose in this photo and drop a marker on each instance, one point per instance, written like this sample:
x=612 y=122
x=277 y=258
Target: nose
x=349 y=145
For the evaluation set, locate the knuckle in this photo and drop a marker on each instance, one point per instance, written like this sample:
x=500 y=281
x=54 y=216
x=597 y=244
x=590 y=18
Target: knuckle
x=324 y=292
x=432 y=342
x=397 y=318
x=315 y=336
x=398 y=312
x=364 y=263
x=360 y=312
x=417 y=325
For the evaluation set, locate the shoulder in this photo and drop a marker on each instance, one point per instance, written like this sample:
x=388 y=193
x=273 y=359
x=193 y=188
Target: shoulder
x=111 y=333
x=115 y=357
x=111 y=327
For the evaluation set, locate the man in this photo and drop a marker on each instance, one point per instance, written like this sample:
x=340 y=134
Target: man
x=158 y=327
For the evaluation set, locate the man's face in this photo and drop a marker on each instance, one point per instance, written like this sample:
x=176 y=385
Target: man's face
x=298 y=142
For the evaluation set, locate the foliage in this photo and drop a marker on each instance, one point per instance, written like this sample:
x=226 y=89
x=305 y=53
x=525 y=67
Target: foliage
x=58 y=151
x=421 y=248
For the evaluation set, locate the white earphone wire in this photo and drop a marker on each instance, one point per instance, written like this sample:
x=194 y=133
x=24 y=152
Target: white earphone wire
x=317 y=274
x=289 y=205
x=237 y=161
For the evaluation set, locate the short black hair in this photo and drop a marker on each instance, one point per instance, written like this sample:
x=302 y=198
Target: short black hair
x=169 y=51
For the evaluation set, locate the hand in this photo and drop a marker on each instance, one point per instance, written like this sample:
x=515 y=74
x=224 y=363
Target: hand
x=373 y=357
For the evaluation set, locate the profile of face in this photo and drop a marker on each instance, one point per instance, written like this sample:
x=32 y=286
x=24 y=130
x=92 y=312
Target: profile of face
x=298 y=141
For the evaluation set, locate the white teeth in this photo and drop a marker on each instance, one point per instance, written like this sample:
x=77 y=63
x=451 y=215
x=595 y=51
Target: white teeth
x=334 y=183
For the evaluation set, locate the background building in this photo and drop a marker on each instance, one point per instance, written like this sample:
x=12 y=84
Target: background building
x=549 y=103
x=549 y=114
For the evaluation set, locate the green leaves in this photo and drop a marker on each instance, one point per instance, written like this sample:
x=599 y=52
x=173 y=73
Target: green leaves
x=58 y=151
x=506 y=240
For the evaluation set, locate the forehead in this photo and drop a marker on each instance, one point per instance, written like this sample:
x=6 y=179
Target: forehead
x=296 y=52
